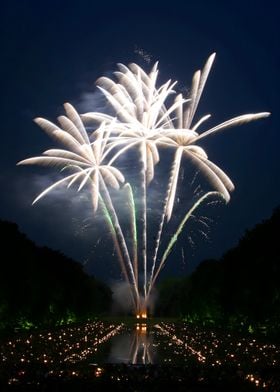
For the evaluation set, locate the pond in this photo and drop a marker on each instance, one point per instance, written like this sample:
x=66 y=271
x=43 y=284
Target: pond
x=133 y=346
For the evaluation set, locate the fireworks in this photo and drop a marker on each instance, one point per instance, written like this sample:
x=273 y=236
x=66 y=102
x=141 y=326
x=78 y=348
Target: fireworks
x=144 y=121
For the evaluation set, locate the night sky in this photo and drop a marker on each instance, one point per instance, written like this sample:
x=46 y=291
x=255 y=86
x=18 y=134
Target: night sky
x=53 y=52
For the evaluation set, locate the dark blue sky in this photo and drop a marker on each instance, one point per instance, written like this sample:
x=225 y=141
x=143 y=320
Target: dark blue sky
x=53 y=51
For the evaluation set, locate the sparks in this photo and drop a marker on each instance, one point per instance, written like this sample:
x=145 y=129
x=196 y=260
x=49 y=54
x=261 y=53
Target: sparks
x=143 y=121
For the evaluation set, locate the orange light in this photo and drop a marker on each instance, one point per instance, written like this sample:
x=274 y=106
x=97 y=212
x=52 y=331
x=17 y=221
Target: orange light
x=98 y=372
x=143 y=328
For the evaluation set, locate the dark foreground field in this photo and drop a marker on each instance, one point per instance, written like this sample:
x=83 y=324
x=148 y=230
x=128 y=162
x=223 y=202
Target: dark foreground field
x=138 y=357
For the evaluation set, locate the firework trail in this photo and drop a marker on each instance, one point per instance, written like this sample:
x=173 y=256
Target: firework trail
x=121 y=238
x=180 y=228
x=143 y=122
x=183 y=139
x=183 y=255
x=88 y=166
x=115 y=240
x=140 y=105
x=133 y=224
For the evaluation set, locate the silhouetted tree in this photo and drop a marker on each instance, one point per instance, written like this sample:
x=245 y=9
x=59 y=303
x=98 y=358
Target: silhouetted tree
x=41 y=286
x=243 y=288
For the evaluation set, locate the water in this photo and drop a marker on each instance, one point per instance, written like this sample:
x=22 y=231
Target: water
x=133 y=346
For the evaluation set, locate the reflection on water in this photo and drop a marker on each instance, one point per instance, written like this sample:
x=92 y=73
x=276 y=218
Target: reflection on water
x=134 y=346
x=141 y=346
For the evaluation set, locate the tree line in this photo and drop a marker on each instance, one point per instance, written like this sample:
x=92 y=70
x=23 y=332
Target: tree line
x=240 y=290
x=40 y=286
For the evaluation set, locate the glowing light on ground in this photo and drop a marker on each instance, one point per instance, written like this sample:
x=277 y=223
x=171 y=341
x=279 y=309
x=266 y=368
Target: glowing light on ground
x=75 y=352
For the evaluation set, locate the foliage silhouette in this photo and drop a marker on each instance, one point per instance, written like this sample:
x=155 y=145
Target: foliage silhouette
x=241 y=290
x=40 y=286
